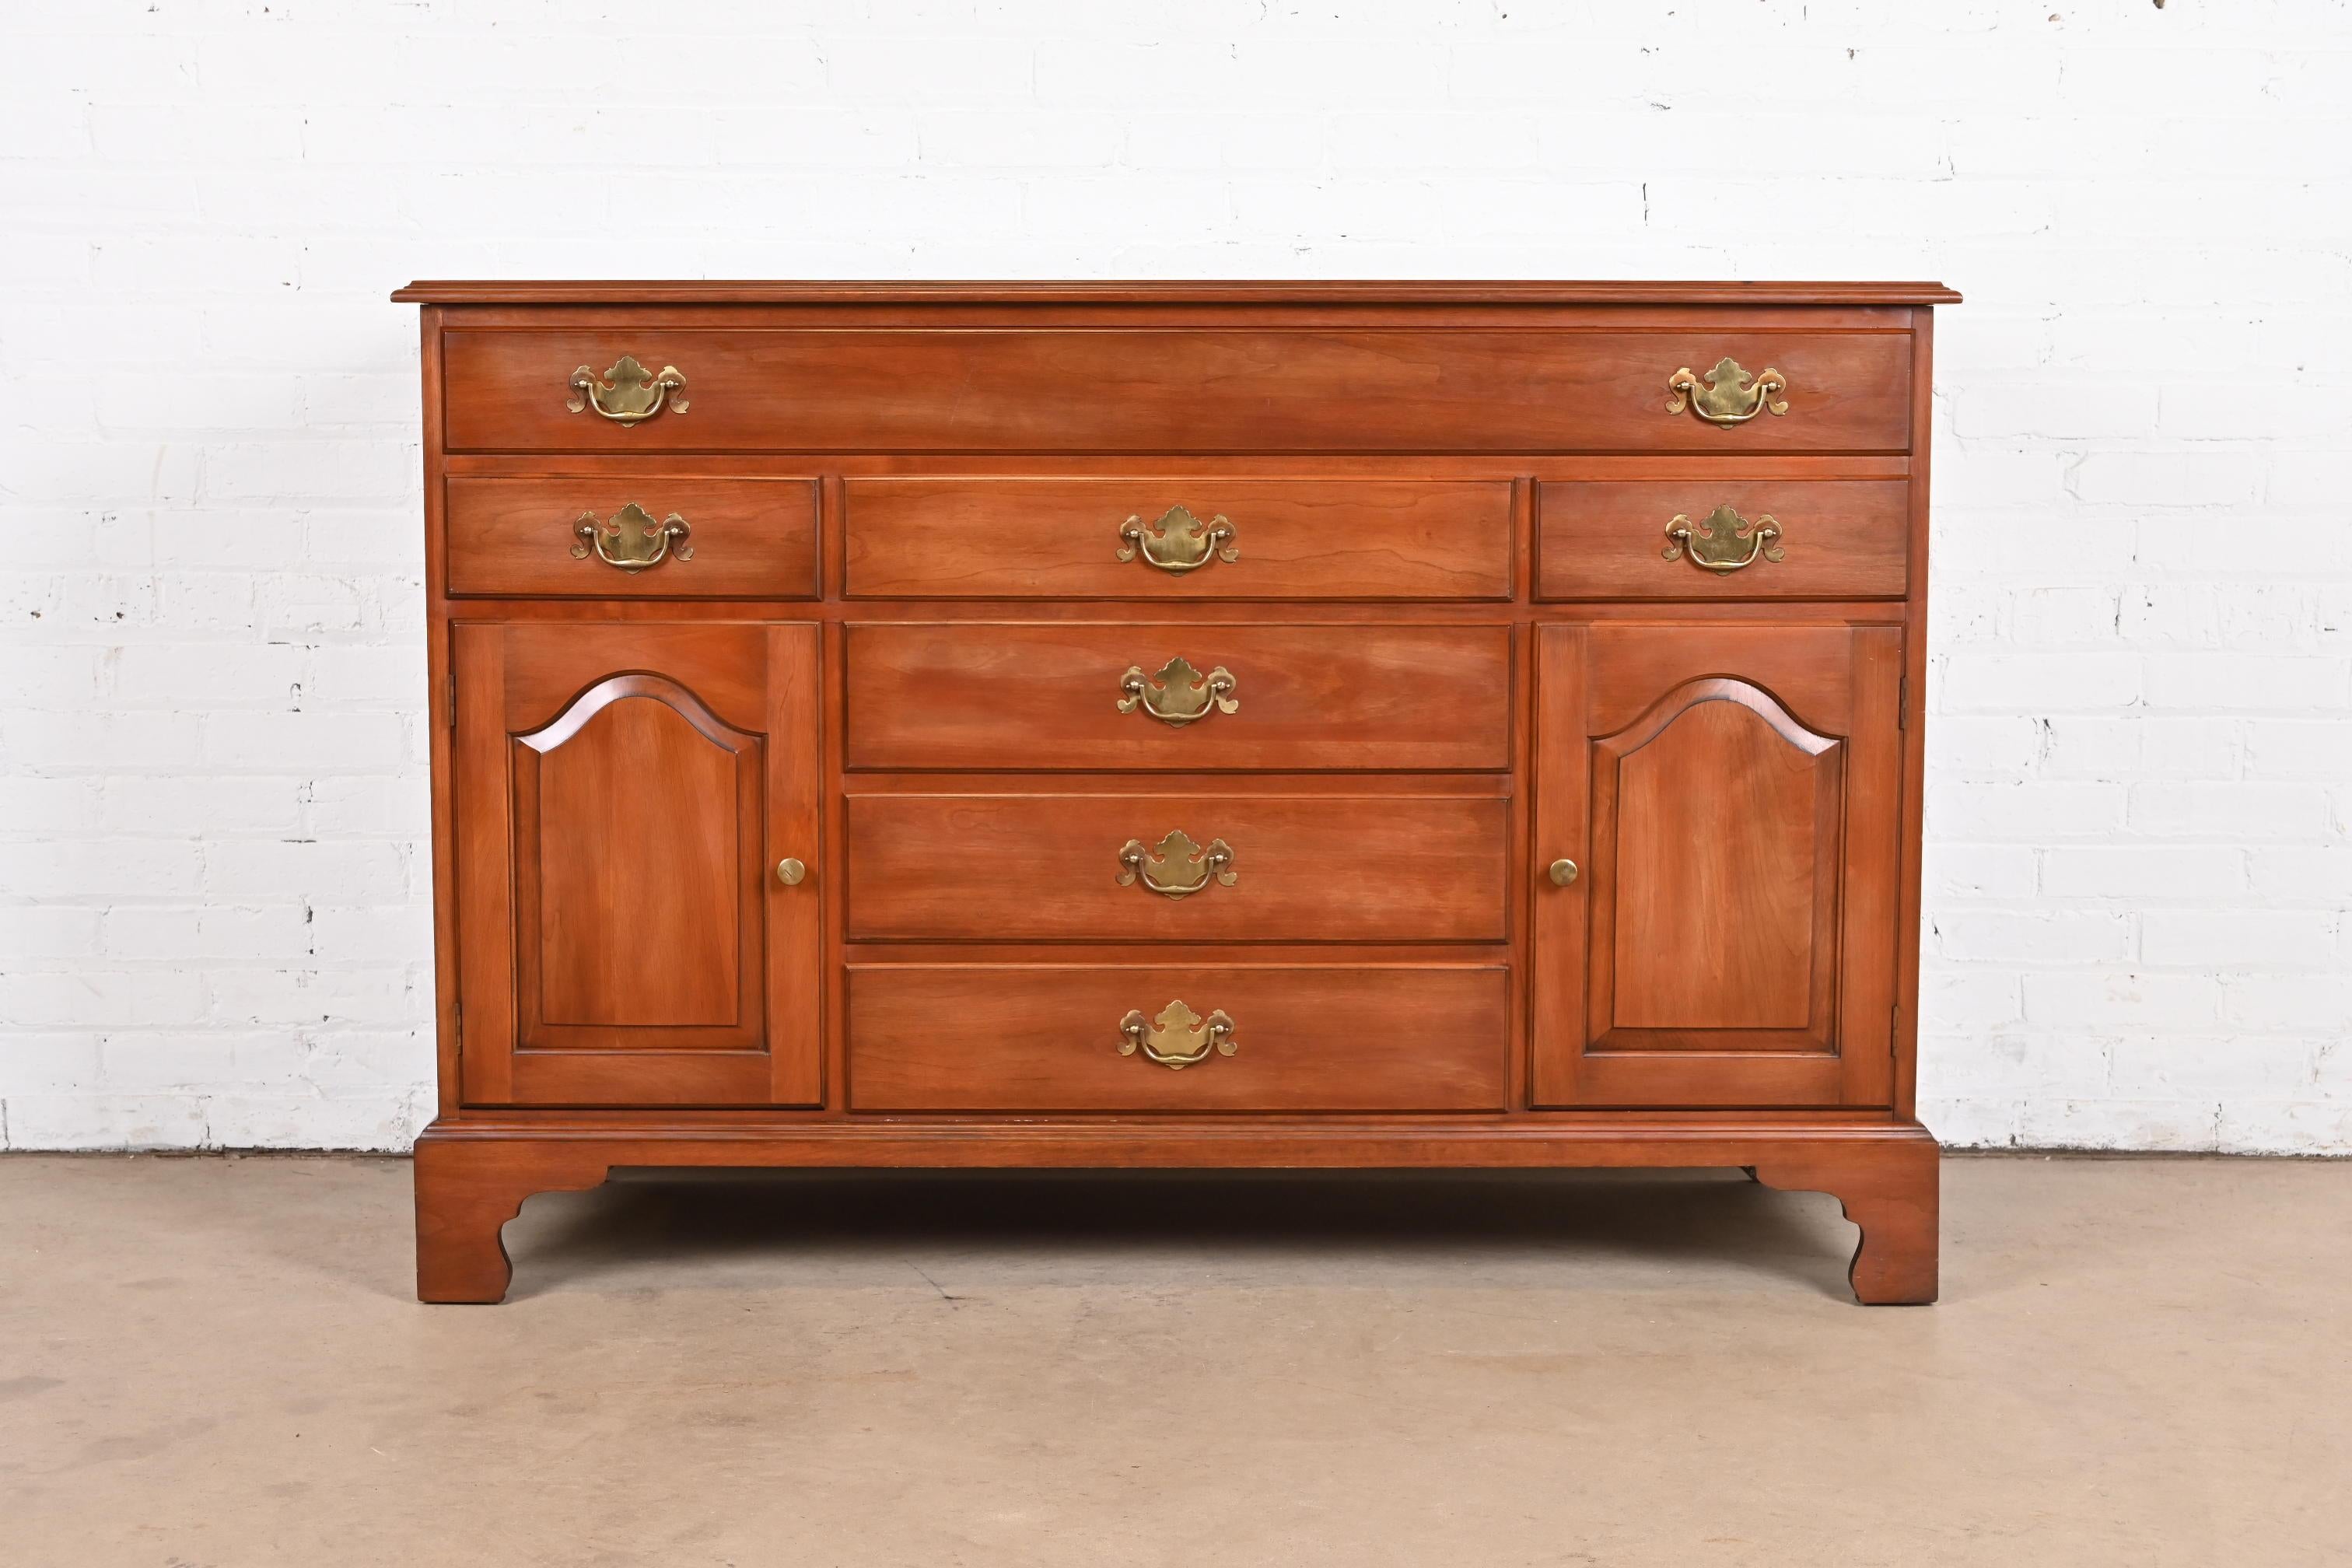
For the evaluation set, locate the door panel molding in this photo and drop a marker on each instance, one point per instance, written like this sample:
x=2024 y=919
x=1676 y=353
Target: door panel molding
x=634 y=864
x=601 y=695
x=1755 y=866
x=1698 y=954
x=620 y=939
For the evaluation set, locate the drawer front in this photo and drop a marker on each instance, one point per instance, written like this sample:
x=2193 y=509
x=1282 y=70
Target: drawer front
x=1104 y=868
x=1047 y=1037
x=1211 y=390
x=1084 y=695
x=1179 y=538
x=1836 y=539
x=741 y=538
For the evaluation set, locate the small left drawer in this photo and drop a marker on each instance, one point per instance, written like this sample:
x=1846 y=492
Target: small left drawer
x=634 y=536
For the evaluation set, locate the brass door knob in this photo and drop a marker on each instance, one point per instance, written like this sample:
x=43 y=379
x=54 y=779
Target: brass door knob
x=1563 y=872
x=790 y=872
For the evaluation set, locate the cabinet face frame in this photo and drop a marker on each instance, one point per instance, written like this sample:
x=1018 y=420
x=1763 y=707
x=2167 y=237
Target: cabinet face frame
x=526 y=694
x=482 y=1155
x=1819 y=705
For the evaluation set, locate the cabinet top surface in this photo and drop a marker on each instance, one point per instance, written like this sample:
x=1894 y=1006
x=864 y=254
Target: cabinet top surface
x=1236 y=292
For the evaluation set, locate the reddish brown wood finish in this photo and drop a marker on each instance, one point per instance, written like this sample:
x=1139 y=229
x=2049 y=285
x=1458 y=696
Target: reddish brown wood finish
x=1606 y=540
x=648 y=293
x=1045 y=868
x=751 y=539
x=1213 y=389
x=1029 y=1037
x=621 y=794
x=1730 y=981
x=473 y=1176
x=1730 y=937
x=1330 y=537
x=1310 y=697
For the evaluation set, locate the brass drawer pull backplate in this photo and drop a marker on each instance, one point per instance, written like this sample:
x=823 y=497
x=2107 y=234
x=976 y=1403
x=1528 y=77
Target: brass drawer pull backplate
x=1178 y=542
x=1179 y=1038
x=1731 y=396
x=628 y=392
x=1715 y=544
x=1178 y=694
x=632 y=540
x=1177 y=867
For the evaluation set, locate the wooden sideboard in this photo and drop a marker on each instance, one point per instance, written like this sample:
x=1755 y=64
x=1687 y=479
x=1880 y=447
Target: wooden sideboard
x=1215 y=724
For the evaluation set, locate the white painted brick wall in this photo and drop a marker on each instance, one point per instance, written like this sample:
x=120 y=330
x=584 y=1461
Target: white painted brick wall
x=213 y=879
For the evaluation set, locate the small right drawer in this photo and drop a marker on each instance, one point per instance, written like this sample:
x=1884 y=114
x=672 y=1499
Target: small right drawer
x=1722 y=539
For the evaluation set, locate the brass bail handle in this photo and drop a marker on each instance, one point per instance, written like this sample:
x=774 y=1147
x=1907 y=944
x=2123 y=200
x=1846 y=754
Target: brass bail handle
x=1178 y=542
x=1731 y=396
x=1179 y=1038
x=628 y=393
x=1715 y=544
x=1177 y=867
x=1179 y=694
x=631 y=540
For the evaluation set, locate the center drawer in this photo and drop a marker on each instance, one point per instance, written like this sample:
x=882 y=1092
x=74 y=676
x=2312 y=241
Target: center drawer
x=1200 y=696
x=1088 y=1038
x=1190 y=537
x=1239 y=868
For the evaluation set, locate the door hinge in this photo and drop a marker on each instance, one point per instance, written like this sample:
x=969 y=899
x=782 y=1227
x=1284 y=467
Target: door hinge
x=1903 y=703
x=457 y=1021
x=449 y=706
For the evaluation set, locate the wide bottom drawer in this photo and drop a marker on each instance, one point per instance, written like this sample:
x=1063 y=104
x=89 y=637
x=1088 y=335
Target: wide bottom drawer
x=1152 y=1038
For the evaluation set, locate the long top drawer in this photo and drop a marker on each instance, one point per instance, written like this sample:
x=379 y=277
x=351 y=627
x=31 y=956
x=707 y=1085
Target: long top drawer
x=1732 y=385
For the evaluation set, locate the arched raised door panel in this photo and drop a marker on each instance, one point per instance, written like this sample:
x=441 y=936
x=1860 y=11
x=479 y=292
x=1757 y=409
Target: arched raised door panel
x=1729 y=798
x=626 y=791
x=637 y=872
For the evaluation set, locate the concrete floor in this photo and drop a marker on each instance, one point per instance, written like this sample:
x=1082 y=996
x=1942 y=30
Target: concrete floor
x=217 y=1361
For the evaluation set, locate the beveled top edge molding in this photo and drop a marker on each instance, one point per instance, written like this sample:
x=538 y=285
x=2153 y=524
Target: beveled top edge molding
x=1235 y=292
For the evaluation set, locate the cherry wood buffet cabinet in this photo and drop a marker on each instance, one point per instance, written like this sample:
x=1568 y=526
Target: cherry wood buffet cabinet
x=1176 y=725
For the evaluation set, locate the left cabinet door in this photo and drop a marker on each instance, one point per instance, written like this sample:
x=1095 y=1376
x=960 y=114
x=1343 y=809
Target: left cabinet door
x=624 y=796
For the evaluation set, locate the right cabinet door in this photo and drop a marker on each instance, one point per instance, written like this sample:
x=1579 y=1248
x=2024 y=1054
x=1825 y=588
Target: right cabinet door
x=1730 y=798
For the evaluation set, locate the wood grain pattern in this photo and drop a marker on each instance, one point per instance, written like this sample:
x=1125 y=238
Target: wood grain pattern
x=1046 y=697
x=1418 y=471
x=1839 y=540
x=1046 y=536
x=624 y=792
x=1722 y=855
x=1030 y=1038
x=1044 y=867
x=472 y=1176
x=1041 y=389
x=753 y=539
x=1710 y=953
x=635 y=869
